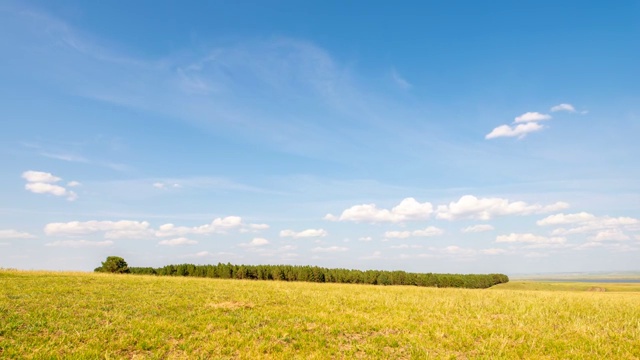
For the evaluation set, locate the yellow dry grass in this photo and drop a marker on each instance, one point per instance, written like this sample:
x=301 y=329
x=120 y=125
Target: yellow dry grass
x=97 y=316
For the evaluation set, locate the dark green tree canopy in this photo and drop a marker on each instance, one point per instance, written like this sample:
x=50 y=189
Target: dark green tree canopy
x=114 y=264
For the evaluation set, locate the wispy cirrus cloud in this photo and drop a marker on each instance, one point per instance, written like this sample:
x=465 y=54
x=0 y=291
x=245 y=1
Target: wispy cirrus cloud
x=400 y=81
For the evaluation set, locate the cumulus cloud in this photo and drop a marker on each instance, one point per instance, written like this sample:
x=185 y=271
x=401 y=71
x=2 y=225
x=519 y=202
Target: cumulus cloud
x=259 y=226
x=610 y=235
x=40 y=177
x=181 y=241
x=330 y=249
x=79 y=243
x=14 y=234
x=158 y=185
x=365 y=238
x=405 y=246
x=256 y=242
x=427 y=232
x=520 y=130
x=601 y=228
x=529 y=238
x=73 y=184
x=458 y=251
x=561 y=219
x=471 y=207
x=112 y=229
x=531 y=116
x=39 y=182
x=218 y=225
x=309 y=233
x=563 y=107
x=408 y=209
x=477 y=228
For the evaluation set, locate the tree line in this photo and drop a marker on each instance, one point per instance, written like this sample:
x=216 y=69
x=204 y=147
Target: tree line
x=323 y=275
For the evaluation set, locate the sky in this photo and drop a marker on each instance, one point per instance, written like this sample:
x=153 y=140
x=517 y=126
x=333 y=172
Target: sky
x=426 y=136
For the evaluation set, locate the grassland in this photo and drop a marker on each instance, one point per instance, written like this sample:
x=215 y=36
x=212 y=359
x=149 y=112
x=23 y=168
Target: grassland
x=86 y=316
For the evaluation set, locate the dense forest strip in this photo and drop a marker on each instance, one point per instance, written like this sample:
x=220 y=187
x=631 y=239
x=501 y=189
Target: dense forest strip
x=325 y=275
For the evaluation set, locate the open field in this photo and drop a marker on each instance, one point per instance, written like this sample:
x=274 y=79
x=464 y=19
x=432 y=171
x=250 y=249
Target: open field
x=78 y=315
x=569 y=286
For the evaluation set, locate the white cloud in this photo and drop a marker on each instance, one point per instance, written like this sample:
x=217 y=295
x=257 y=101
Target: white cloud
x=493 y=251
x=585 y=223
x=304 y=234
x=40 y=177
x=365 y=238
x=330 y=249
x=559 y=219
x=79 y=243
x=610 y=235
x=14 y=234
x=520 y=130
x=181 y=241
x=112 y=229
x=471 y=207
x=563 y=107
x=458 y=251
x=410 y=208
x=405 y=246
x=397 y=234
x=259 y=226
x=477 y=228
x=56 y=190
x=256 y=242
x=166 y=185
x=407 y=209
x=218 y=225
x=529 y=238
x=426 y=232
x=5 y=244
x=531 y=116
x=39 y=182
x=73 y=184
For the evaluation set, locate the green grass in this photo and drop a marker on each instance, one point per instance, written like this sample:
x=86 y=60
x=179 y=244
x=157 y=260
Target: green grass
x=90 y=316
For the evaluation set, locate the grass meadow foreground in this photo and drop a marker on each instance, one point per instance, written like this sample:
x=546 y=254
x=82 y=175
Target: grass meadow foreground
x=85 y=316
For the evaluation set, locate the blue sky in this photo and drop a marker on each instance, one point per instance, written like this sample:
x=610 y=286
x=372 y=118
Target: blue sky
x=425 y=136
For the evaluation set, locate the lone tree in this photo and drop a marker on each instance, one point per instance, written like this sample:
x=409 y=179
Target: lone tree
x=114 y=264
